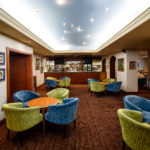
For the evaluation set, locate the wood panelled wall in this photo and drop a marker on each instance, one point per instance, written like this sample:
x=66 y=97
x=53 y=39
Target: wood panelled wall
x=76 y=77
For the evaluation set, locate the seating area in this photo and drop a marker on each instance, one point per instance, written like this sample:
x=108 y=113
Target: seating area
x=74 y=75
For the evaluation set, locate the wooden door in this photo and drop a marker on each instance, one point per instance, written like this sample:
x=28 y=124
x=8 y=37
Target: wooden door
x=19 y=73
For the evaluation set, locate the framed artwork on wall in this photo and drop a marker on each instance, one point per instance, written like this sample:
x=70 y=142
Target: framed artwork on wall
x=2 y=74
x=37 y=64
x=121 y=64
x=132 y=65
x=2 y=58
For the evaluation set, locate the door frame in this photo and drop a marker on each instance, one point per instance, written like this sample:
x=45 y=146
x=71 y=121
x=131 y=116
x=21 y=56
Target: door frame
x=30 y=66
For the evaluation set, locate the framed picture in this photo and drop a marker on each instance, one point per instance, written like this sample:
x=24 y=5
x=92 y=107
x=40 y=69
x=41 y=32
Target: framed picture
x=132 y=65
x=37 y=64
x=2 y=58
x=2 y=74
x=121 y=64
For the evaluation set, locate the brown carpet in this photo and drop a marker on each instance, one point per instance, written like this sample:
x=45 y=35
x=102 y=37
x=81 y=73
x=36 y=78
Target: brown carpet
x=97 y=126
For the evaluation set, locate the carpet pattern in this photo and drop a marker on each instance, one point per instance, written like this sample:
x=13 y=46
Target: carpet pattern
x=97 y=125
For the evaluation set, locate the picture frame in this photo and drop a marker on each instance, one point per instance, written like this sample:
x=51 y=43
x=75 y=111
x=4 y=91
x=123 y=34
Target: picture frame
x=2 y=58
x=37 y=64
x=132 y=65
x=2 y=74
x=121 y=64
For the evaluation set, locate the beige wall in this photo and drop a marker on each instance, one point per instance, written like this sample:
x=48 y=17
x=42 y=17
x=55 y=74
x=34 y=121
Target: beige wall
x=11 y=43
x=128 y=77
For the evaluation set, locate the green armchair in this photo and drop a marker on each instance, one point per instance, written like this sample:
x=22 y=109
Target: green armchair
x=136 y=134
x=65 y=82
x=19 y=119
x=110 y=80
x=59 y=93
x=97 y=87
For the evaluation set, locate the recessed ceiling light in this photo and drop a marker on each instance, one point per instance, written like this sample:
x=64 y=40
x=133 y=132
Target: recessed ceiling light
x=61 y=2
x=92 y=20
x=65 y=31
x=64 y=23
x=79 y=29
x=84 y=43
x=88 y=36
x=62 y=38
x=37 y=11
x=107 y=9
x=72 y=25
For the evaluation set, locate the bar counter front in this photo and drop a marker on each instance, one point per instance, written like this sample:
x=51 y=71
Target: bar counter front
x=77 y=77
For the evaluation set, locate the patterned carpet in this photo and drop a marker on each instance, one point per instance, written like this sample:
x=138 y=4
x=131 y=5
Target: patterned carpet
x=97 y=125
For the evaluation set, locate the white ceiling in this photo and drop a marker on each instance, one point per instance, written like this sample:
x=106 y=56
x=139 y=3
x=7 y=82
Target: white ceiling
x=74 y=24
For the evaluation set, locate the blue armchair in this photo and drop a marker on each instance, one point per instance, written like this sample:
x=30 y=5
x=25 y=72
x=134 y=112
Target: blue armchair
x=63 y=114
x=93 y=80
x=138 y=103
x=114 y=87
x=24 y=96
x=50 y=83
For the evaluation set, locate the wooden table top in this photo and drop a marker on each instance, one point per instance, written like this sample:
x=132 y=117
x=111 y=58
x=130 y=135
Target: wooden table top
x=105 y=83
x=42 y=102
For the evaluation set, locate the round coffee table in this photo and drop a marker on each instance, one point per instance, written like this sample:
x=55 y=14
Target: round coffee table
x=43 y=103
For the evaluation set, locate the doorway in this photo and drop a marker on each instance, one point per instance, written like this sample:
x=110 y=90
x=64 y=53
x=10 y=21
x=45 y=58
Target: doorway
x=112 y=67
x=19 y=72
x=104 y=65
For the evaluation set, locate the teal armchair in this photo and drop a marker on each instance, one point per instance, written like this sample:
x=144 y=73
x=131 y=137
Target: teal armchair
x=19 y=119
x=59 y=93
x=136 y=134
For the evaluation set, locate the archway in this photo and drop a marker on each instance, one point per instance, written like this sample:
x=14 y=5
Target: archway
x=112 y=67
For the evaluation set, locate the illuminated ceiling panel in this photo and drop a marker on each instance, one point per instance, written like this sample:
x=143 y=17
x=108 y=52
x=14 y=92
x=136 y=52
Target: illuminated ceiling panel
x=74 y=24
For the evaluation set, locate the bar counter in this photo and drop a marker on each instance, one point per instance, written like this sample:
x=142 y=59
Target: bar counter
x=76 y=77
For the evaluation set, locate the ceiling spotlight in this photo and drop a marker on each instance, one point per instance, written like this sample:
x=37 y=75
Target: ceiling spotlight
x=65 y=31
x=72 y=25
x=88 y=36
x=62 y=38
x=64 y=23
x=92 y=20
x=84 y=43
x=107 y=9
x=61 y=2
x=37 y=11
x=79 y=29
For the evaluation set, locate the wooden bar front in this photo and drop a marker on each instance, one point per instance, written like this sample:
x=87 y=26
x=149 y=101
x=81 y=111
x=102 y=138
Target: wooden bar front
x=76 y=77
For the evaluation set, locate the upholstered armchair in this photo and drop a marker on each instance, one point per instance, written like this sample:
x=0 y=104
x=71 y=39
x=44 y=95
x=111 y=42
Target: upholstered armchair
x=59 y=93
x=24 y=96
x=142 y=82
x=51 y=78
x=63 y=78
x=91 y=80
x=97 y=87
x=136 y=134
x=114 y=86
x=51 y=83
x=63 y=114
x=19 y=119
x=110 y=80
x=138 y=103
x=65 y=82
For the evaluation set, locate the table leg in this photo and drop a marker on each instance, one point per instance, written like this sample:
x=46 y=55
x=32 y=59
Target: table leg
x=43 y=112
